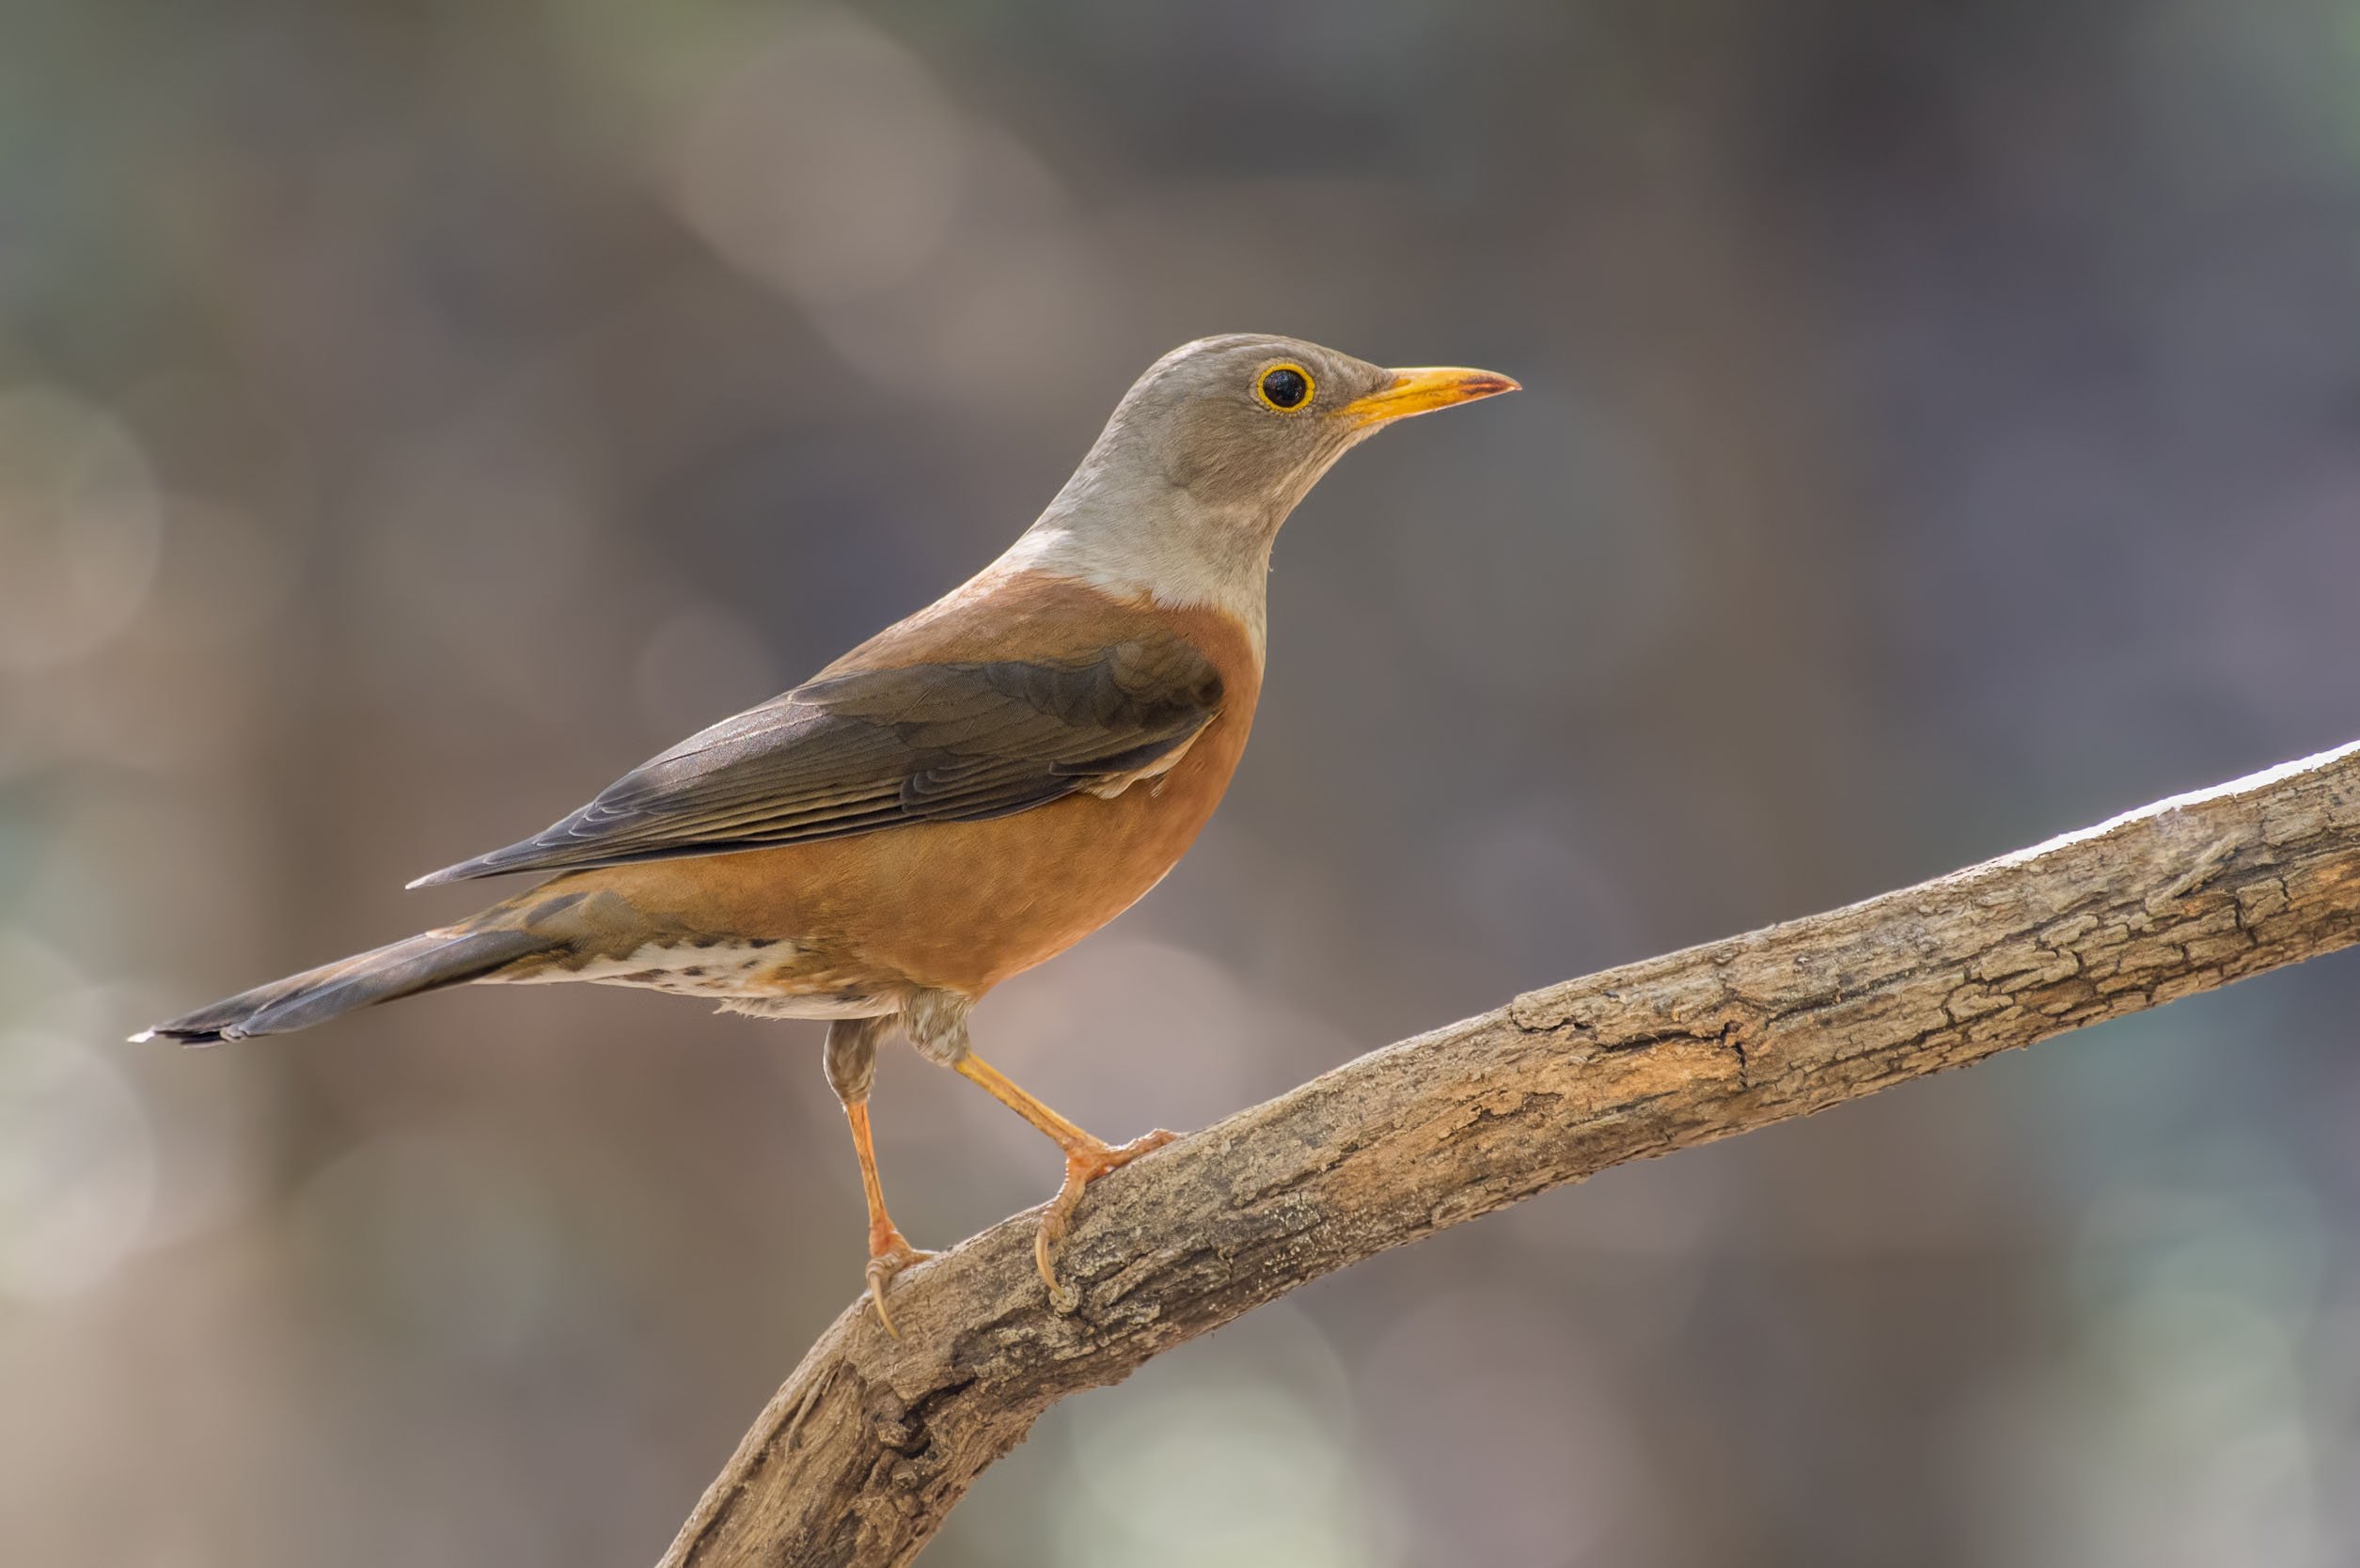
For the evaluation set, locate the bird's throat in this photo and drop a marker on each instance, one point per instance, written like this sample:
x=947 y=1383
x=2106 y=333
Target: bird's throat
x=1174 y=552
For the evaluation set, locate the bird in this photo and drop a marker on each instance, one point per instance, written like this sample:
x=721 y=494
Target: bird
x=962 y=796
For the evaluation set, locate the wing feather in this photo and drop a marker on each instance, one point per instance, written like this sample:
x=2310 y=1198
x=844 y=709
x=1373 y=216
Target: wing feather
x=869 y=750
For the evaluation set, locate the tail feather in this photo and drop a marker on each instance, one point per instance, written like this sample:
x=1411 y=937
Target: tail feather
x=424 y=962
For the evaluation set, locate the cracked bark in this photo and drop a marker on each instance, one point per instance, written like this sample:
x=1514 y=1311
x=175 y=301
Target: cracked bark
x=861 y=1456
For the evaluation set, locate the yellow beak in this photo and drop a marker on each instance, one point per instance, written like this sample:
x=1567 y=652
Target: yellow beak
x=1422 y=391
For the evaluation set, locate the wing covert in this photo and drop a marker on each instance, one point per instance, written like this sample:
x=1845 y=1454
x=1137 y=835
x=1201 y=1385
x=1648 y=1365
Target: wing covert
x=870 y=749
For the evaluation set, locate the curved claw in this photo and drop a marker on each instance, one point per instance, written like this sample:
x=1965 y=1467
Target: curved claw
x=1083 y=1167
x=885 y=1262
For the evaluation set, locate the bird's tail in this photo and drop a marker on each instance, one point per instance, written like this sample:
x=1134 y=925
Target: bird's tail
x=427 y=961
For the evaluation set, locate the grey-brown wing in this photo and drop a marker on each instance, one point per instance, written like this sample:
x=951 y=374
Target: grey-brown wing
x=873 y=749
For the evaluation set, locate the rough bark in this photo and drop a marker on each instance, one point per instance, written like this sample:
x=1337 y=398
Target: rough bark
x=861 y=1456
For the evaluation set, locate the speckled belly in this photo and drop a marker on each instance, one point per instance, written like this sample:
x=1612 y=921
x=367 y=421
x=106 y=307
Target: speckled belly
x=758 y=977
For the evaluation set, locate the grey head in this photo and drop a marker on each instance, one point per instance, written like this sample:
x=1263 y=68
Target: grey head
x=1184 y=490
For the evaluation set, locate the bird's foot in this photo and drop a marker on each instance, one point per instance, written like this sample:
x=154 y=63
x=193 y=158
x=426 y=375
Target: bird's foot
x=1083 y=1165
x=889 y=1253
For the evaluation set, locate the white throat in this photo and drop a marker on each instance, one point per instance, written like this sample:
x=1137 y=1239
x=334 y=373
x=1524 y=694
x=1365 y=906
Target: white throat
x=1168 y=549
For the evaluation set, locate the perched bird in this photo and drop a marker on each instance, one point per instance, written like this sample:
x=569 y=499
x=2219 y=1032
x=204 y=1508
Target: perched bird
x=967 y=793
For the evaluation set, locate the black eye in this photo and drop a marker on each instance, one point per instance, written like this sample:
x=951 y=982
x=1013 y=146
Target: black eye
x=1285 y=388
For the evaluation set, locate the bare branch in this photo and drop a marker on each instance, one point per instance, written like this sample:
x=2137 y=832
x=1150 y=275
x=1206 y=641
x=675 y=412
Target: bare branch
x=858 y=1459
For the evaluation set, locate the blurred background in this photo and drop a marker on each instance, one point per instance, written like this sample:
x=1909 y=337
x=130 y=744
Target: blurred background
x=1943 y=430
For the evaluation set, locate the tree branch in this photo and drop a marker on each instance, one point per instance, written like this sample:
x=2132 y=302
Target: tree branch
x=858 y=1459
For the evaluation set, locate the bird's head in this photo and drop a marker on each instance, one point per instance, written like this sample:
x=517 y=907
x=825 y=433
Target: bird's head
x=1183 y=492
x=1249 y=422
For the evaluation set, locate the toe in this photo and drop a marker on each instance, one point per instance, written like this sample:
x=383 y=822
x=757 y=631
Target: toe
x=1148 y=1144
x=877 y=1277
x=889 y=1260
x=1044 y=1255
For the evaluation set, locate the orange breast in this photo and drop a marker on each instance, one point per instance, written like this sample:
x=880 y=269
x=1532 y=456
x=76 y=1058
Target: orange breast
x=964 y=906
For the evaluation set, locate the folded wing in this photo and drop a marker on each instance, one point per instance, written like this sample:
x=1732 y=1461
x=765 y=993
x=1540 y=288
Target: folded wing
x=870 y=750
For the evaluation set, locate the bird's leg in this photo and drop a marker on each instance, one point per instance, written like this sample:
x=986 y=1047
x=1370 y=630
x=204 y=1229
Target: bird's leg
x=938 y=1027
x=1087 y=1158
x=852 y=1068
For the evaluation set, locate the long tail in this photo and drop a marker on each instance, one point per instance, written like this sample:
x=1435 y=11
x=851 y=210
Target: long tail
x=427 y=961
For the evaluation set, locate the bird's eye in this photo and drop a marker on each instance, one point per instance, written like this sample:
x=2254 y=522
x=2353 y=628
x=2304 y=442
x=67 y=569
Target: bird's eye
x=1285 y=388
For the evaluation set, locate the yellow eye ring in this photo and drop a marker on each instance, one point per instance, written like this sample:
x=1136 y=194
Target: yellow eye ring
x=1285 y=388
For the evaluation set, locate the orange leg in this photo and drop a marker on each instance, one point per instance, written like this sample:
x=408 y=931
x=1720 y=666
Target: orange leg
x=1086 y=1158
x=890 y=1252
